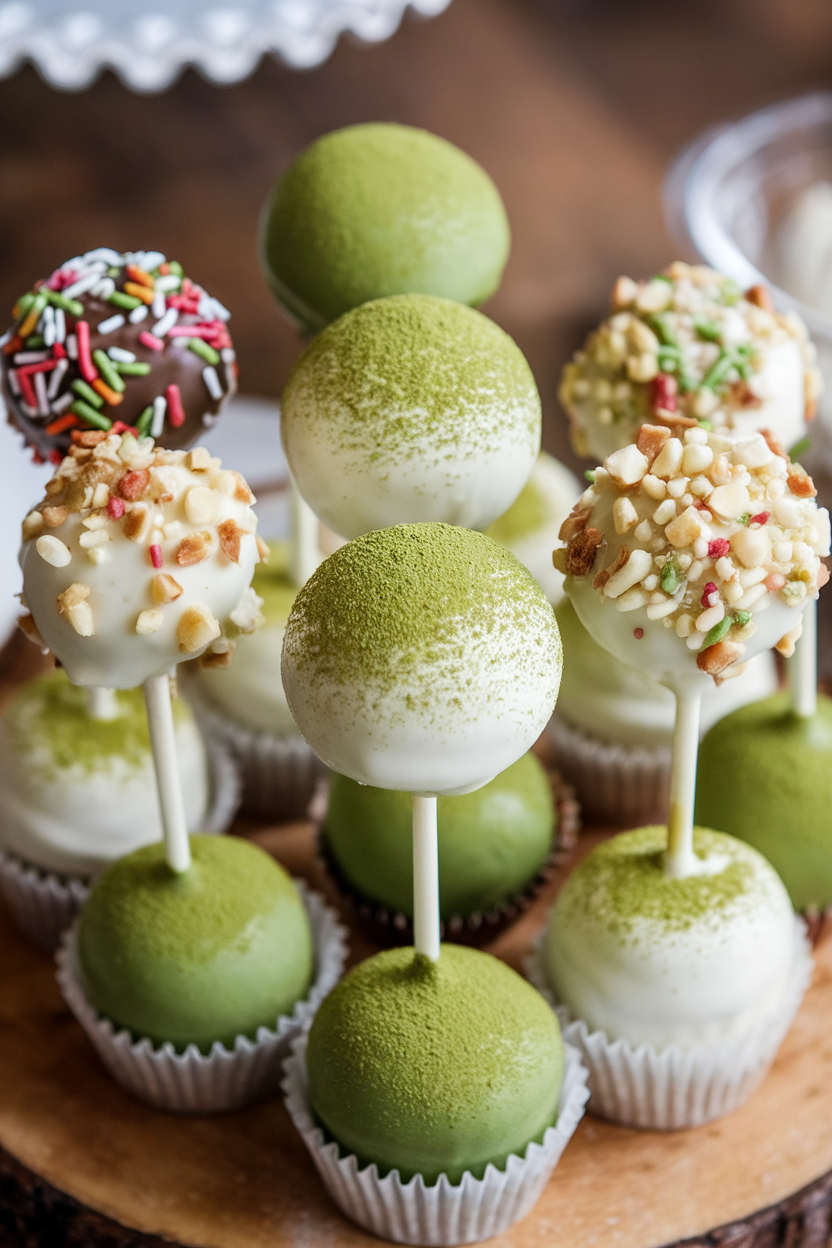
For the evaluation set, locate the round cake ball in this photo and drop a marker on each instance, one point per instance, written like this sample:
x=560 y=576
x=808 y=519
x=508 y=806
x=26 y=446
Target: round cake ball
x=207 y=955
x=690 y=554
x=63 y=774
x=379 y=210
x=410 y=409
x=138 y=558
x=491 y=842
x=616 y=703
x=660 y=961
x=250 y=690
x=422 y=657
x=112 y=341
x=689 y=346
x=434 y=1067
x=765 y=775
x=532 y=523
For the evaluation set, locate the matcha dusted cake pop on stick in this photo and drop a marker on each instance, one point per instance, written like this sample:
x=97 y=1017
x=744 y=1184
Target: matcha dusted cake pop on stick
x=113 y=341
x=685 y=558
x=423 y=658
x=688 y=348
x=136 y=558
x=410 y=409
x=376 y=210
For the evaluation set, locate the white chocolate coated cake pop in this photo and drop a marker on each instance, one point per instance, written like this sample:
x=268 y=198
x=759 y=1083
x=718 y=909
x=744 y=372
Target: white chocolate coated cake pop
x=689 y=345
x=409 y=409
x=138 y=558
x=422 y=657
x=688 y=555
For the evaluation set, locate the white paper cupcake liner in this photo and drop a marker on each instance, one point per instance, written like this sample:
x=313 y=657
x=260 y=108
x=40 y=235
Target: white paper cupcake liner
x=193 y=1082
x=677 y=1088
x=279 y=773
x=614 y=783
x=443 y=1214
x=43 y=903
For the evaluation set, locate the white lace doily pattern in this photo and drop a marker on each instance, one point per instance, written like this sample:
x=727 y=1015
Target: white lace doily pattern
x=149 y=42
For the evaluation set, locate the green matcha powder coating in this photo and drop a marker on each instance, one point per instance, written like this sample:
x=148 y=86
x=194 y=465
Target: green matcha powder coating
x=49 y=717
x=375 y=210
x=408 y=371
x=527 y=514
x=491 y=842
x=765 y=775
x=401 y=599
x=213 y=953
x=434 y=1068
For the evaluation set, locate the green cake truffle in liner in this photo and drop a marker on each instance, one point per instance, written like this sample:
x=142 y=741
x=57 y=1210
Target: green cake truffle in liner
x=192 y=986
x=496 y=848
x=765 y=775
x=76 y=793
x=381 y=209
x=243 y=705
x=435 y=1098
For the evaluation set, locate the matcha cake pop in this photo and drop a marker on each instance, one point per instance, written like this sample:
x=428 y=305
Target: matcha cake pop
x=114 y=341
x=408 y=409
x=530 y=527
x=434 y=1068
x=376 y=210
x=689 y=347
x=493 y=844
x=199 y=958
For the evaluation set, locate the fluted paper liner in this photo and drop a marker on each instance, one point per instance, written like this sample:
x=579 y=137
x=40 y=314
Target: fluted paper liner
x=443 y=1214
x=279 y=773
x=674 y=1088
x=225 y=1079
x=615 y=783
x=44 y=903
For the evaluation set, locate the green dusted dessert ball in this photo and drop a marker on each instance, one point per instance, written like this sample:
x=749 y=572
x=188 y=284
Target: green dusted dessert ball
x=491 y=842
x=211 y=954
x=765 y=775
x=434 y=1067
x=378 y=210
x=410 y=409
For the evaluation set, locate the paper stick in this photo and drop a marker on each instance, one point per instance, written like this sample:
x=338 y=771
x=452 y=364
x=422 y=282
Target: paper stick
x=803 y=665
x=166 y=764
x=304 y=552
x=425 y=877
x=101 y=702
x=679 y=859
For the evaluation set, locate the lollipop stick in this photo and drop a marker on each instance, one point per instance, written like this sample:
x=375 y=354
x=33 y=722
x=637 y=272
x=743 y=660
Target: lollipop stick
x=680 y=860
x=166 y=764
x=425 y=877
x=304 y=553
x=101 y=702
x=803 y=665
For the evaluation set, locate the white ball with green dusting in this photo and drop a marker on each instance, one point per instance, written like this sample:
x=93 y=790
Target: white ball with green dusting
x=688 y=556
x=75 y=792
x=423 y=657
x=689 y=345
x=660 y=961
x=409 y=409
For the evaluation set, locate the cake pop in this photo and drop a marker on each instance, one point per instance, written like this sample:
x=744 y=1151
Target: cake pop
x=114 y=341
x=410 y=409
x=689 y=348
x=380 y=209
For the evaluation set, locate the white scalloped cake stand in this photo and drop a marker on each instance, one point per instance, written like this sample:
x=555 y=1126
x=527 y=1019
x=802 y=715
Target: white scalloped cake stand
x=149 y=42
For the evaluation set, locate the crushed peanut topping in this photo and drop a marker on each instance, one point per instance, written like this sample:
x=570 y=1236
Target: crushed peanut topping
x=684 y=349
x=704 y=561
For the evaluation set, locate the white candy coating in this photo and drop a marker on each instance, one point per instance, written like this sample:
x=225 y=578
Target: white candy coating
x=423 y=658
x=675 y=963
x=109 y=614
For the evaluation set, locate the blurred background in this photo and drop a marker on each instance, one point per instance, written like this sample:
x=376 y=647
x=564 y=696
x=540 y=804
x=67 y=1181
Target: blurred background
x=575 y=107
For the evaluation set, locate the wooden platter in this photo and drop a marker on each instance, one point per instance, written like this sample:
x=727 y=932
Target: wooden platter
x=82 y=1163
